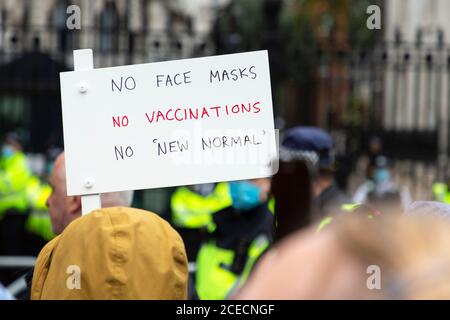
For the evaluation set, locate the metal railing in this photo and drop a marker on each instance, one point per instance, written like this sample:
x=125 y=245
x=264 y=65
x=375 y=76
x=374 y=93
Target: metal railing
x=19 y=285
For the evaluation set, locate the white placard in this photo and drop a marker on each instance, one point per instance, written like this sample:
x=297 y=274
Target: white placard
x=168 y=123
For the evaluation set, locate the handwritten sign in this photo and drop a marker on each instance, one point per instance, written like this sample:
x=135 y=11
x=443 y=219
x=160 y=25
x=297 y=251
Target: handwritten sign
x=169 y=123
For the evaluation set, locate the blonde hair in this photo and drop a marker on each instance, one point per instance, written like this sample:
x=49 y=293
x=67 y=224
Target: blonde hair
x=117 y=199
x=413 y=252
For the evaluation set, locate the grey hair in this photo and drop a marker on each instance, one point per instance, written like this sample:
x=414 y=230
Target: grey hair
x=433 y=208
x=117 y=199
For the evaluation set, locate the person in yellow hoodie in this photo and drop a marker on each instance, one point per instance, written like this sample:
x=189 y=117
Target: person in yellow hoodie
x=113 y=253
x=110 y=253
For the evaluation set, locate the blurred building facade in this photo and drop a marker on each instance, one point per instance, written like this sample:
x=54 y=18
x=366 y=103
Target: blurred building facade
x=36 y=45
x=417 y=75
x=139 y=30
x=419 y=31
x=327 y=68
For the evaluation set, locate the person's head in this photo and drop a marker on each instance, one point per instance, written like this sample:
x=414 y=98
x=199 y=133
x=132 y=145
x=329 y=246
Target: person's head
x=375 y=145
x=429 y=208
x=381 y=173
x=401 y=257
x=63 y=209
x=11 y=144
x=292 y=190
x=316 y=147
x=113 y=253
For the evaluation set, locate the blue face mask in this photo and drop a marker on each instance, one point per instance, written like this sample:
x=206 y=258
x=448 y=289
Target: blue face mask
x=7 y=152
x=381 y=175
x=245 y=195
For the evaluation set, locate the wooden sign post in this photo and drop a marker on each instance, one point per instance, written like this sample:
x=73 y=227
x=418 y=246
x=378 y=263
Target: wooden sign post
x=84 y=60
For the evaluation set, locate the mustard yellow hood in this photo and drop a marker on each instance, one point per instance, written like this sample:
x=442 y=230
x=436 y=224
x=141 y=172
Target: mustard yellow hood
x=116 y=253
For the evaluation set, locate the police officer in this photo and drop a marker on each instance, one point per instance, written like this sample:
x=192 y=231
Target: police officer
x=191 y=212
x=14 y=177
x=316 y=147
x=242 y=233
x=24 y=220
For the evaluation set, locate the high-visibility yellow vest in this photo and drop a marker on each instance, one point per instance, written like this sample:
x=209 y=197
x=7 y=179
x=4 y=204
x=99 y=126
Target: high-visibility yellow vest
x=38 y=221
x=14 y=176
x=20 y=190
x=37 y=193
x=192 y=210
x=441 y=192
x=271 y=205
x=257 y=248
x=213 y=281
x=346 y=207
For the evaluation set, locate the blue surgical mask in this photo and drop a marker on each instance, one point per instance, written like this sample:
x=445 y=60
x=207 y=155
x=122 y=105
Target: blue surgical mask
x=381 y=175
x=245 y=195
x=7 y=152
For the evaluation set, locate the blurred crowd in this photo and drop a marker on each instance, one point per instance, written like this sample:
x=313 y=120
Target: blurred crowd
x=296 y=235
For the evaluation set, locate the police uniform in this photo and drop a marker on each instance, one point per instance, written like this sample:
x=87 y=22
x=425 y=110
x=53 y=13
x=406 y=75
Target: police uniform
x=192 y=209
x=25 y=225
x=315 y=146
x=225 y=243
x=227 y=258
